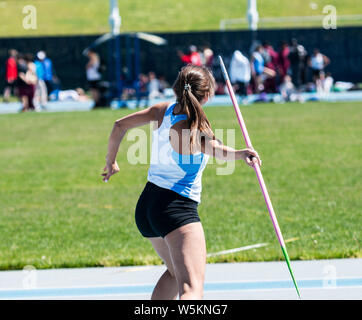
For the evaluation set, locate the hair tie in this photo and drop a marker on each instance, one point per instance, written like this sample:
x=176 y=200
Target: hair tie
x=187 y=87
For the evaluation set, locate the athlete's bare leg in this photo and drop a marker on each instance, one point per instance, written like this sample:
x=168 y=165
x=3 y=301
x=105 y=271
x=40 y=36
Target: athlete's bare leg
x=166 y=287
x=188 y=252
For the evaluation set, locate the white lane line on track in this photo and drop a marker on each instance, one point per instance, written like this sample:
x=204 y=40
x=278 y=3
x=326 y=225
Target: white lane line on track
x=257 y=245
x=253 y=246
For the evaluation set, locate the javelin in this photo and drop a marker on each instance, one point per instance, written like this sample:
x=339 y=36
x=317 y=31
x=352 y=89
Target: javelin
x=258 y=172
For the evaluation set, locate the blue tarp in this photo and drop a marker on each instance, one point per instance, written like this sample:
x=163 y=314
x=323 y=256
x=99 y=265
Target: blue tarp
x=222 y=100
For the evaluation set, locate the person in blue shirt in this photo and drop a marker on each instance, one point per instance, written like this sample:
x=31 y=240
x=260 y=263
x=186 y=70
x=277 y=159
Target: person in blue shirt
x=166 y=212
x=41 y=91
x=259 y=71
x=47 y=70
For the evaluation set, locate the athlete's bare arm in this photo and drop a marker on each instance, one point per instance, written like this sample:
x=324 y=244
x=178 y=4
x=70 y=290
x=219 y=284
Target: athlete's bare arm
x=215 y=148
x=121 y=126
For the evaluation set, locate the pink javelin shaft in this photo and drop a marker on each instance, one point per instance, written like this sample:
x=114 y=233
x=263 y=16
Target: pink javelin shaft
x=249 y=145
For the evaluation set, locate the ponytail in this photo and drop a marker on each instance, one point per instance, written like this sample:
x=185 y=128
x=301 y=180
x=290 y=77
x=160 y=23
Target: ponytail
x=191 y=86
x=197 y=121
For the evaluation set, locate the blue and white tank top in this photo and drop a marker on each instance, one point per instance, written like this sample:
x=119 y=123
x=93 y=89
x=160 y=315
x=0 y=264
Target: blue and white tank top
x=171 y=170
x=317 y=62
x=258 y=63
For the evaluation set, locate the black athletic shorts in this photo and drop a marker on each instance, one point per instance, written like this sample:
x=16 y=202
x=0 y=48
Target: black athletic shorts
x=160 y=211
x=11 y=85
x=93 y=84
x=316 y=72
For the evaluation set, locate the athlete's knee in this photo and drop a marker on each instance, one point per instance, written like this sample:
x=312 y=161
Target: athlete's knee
x=192 y=290
x=169 y=266
x=171 y=271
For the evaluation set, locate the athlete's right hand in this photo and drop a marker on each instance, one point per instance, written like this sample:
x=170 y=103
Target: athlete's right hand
x=251 y=157
x=109 y=170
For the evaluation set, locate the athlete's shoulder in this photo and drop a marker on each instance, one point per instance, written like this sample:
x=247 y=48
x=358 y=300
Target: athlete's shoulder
x=161 y=106
x=159 y=109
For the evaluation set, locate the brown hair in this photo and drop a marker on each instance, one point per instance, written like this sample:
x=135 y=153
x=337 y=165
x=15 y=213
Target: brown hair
x=192 y=85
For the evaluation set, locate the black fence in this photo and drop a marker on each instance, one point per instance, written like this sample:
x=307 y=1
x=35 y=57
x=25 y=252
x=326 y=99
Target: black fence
x=343 y=46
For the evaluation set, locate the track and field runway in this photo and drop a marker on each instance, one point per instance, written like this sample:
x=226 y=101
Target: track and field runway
x=319 y=279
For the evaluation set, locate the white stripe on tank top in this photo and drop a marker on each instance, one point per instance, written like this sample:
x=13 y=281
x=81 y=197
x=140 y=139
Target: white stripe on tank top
x=171 y=170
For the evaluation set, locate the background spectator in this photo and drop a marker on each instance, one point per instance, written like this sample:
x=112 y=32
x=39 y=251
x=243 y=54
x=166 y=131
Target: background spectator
x=41 y=91
x=93 y=75
x=318 y=62
x=287 y=89
x=69 y=95
x=207 y=57
x=163 y=83
x=240 y=72
x=258 y=70
x=272 y=63
x=284 y=62
x=27 y=81
x=193 y=57
x=153 y=86
x=11 y=74
x=48 y=70
x=142 y=89
x=298 y=62
x=324 y=84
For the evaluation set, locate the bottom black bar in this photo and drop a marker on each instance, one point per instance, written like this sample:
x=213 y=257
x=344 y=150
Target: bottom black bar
x=205 y=309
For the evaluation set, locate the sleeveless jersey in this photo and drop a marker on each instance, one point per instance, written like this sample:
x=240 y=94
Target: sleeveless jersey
x=171 y=170
x=317 y=62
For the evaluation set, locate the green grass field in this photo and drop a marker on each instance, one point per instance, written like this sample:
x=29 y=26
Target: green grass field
x=67 y=17
x=56 y=212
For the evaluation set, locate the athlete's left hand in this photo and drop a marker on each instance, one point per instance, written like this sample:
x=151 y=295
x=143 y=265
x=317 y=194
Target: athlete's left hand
x=110 y=169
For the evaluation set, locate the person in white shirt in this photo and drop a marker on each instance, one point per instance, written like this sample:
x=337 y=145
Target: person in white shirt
x=93 y=75
x=318 y=62
x=324 y=84
x=153 y=86
x=287 y=89
x=240 y=72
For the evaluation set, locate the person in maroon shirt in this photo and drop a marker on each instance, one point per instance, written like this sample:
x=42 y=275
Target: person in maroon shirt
x=27 y=81
x=272 y=63
x=11 y=74
x=193 y=57
x=284 y=62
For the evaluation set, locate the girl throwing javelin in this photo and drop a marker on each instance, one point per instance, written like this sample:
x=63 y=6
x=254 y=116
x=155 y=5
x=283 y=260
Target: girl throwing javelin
x=166 y=212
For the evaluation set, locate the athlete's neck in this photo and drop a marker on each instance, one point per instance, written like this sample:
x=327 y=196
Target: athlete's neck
x=177 y=109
